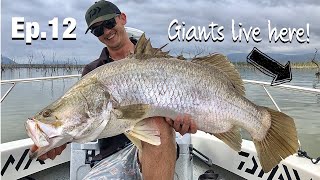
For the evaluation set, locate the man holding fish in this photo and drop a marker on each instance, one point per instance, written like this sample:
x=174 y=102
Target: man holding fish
x=107 y=23
x=141 y=85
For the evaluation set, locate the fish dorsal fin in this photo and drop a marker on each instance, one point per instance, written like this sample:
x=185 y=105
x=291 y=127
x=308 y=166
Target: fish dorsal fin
x=222 y=63
x=232 y=138
x=145 y=50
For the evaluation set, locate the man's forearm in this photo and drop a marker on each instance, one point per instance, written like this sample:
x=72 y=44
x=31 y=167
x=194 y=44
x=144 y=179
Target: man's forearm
x=158 y=162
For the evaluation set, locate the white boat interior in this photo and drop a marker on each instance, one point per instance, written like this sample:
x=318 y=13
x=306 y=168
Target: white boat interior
x=208 y=153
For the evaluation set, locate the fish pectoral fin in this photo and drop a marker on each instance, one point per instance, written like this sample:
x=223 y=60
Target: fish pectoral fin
x=146 y=131
x=134 y=111
x=134 y=140
x=232 y=138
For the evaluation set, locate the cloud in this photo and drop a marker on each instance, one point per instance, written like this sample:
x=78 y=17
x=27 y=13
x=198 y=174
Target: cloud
x=154 y=18
x=286 y=3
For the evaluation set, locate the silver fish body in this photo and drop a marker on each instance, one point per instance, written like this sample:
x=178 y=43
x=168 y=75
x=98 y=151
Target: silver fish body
x=118 y=98
x=207 y=95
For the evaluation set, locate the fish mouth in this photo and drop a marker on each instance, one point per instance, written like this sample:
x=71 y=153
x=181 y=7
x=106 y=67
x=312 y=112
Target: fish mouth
x=45 y=137
x=34 y=131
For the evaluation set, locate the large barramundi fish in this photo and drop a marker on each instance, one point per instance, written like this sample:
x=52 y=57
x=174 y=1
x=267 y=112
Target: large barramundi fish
x=117 y=98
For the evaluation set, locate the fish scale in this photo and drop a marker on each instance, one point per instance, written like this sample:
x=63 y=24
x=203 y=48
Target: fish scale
x=120 y=96
x=178 y=89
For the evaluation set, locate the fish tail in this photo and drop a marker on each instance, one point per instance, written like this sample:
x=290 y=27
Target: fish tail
x=279 y=142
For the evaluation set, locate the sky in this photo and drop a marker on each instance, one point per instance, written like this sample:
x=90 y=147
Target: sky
x=154 y=18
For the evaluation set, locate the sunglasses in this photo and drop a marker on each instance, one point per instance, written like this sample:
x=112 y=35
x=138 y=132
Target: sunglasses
x=99 y=30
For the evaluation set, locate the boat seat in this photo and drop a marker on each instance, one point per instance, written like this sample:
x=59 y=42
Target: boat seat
x=81 y=155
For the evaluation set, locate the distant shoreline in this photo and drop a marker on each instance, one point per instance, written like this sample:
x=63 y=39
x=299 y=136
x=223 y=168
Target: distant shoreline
x=294 y=65
x=12 y=66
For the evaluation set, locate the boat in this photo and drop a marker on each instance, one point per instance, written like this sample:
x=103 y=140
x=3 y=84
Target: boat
x=198 y=152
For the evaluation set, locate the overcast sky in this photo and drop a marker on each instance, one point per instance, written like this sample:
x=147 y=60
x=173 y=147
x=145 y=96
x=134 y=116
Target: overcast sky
x=154 y=17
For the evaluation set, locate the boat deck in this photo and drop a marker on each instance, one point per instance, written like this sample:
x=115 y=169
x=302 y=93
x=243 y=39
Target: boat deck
x=61 y=172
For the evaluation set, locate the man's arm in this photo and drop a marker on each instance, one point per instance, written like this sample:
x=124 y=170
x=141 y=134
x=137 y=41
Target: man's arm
x=183 y=124
x=158 y=162
x=50 y=154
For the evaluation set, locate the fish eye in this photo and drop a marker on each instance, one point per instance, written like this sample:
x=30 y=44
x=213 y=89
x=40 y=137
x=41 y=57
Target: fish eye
x=46 y=113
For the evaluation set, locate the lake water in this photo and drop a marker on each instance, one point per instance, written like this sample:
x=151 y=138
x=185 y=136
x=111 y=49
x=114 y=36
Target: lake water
x=28 y=98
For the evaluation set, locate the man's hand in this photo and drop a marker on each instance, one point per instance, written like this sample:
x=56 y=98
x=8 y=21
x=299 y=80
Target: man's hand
x=183 y=124
x=50 y=154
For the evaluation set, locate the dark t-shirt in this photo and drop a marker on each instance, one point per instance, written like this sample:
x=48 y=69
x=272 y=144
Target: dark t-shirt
x=115 y=141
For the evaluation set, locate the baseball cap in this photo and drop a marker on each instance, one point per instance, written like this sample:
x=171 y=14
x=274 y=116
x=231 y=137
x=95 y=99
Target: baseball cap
x=101 y=11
